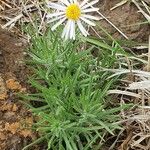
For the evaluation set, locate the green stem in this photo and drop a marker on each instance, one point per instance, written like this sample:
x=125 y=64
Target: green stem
x=35 y=142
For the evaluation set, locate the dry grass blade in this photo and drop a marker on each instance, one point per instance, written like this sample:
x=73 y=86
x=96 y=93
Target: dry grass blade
x=148 y=67
x=119 y=4
x=29 y=12
x=138 y=5
x=124 y=93
x=6 y=4
x=140 y=85
x=137 y=119
x=19 y=12
x=101 y=15
x=118 y=72
x=12 y=21
x=146 y=15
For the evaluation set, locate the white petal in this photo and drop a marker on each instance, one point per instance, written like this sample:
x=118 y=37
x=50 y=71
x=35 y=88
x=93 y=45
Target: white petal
x=75 y=1
x=90 y=4
x=88 y=21
x=72 y=29
x=65 y=2
x=71 y=1
x=68 y=30
x=55 y=19
x=90 y=17
x=58 y=23
x=83 y=3
x=55 y=14
x=89 y=10
x=56 y=6
x=65 y=31
x=82 y=29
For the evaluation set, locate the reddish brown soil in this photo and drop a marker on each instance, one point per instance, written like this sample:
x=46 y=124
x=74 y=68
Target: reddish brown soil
x=15 y=119
x=122 y=17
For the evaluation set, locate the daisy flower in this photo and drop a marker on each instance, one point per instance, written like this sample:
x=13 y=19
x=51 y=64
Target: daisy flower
x=73 y=14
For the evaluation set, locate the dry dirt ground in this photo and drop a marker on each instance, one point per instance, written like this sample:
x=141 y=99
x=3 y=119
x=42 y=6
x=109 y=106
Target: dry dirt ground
x=126 y=18
x=15 y=119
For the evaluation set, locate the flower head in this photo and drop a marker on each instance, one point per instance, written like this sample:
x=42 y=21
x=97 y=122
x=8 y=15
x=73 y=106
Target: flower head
x=72 y=13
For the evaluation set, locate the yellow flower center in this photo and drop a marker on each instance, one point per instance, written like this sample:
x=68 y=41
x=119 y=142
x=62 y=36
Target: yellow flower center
x=73 y=12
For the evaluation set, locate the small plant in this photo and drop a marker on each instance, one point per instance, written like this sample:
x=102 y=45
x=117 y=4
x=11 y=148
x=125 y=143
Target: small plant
x=71 y=99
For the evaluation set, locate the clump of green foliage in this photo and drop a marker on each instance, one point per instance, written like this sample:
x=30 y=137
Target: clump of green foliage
x=71 y=99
